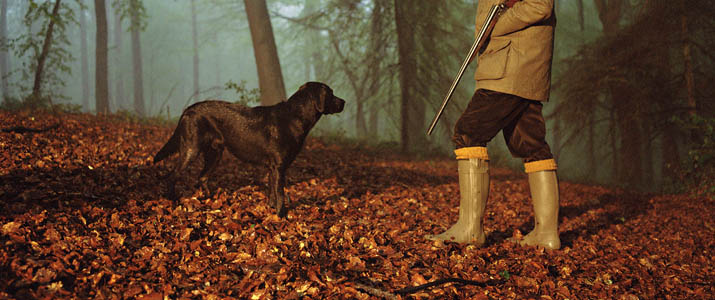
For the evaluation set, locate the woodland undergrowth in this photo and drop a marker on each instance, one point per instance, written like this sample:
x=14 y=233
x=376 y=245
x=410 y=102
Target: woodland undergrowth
x=82 y=215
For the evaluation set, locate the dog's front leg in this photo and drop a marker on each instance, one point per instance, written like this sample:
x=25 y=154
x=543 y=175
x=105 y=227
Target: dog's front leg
x=171 y=188
x=282 y=196
x=185 y=156
x=276 y=182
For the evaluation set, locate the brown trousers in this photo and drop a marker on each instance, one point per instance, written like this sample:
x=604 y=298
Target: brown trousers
x=520 y=120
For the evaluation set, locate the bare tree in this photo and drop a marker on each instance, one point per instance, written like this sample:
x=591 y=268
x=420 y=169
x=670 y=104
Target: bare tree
x=411 y=108
x=581 y=18
x=37 y=86
x=84 y=57
x=119 y=99
x=4 y=63
x=135 y=10
x=348 y=39
x=688 y=60
x=609 y=12
x=194 y=35
x=270 y=78
x=628 y=159
x=101 y=66
x=309 y=42
x=365 y=50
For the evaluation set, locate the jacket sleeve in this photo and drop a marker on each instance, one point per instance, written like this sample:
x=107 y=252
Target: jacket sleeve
x=523 y=14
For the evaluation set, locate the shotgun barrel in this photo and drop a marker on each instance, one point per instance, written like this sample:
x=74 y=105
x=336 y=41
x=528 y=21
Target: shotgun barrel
x=479 y=42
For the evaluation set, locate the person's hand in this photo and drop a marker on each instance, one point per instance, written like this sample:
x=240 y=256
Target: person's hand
x=510 y=3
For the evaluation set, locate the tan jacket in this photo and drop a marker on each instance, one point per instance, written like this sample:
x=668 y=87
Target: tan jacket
x=517 y=59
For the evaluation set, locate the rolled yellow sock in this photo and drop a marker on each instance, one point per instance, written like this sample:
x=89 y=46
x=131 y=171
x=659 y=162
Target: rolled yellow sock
x=472 y=152
x=540 y=165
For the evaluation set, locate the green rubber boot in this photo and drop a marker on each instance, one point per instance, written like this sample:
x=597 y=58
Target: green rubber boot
x=545 y=197
x=473 y=191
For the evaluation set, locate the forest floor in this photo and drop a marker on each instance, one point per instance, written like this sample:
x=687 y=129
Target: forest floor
x=82 y=215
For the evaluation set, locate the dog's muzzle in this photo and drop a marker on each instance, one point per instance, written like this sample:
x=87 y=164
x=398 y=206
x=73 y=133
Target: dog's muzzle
x=336 y=106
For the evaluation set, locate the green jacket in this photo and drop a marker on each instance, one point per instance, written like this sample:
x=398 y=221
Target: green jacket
x=517 y=59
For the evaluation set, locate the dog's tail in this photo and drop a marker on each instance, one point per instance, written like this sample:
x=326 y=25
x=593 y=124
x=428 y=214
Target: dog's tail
x=171 y=147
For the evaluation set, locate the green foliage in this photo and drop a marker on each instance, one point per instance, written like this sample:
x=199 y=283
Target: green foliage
x=29 y=44
x=135 y=11
x=352 y=46
x=11 y=104
x=245 y=96
x=629 y=86
x=373 y=146
x=33 y=101
x=69 y=108
x=699 y=165
x=505 y=274
x=28 y=103
x=127 y=116
x=333 y=136
x=39 y=103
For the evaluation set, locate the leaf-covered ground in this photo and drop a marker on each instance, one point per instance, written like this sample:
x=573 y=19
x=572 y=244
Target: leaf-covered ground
x=82 y=215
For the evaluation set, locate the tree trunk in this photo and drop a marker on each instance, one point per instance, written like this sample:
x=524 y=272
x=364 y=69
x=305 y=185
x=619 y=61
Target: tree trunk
x=357 y=82
x=591 y=138
x=84 y=58
x=373 y=121
x=37 y=86
x=152 y=82
x=590 y=145
x=580 y=16
x=630 y=165
x=410 y=108
x=101 y=69
x=137 y=60
x=688 y=65
x=615 y=155
x=219 y=62
x=631 y=140
x=270 y=79
x=670 y=154
x=609 y=12
x=648 y=181
x=120 y=101
x=360 y=124
x=309 y=45
x=4 y=64
x=194 y=34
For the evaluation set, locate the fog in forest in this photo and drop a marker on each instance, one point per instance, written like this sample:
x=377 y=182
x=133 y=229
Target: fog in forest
x=631 y=102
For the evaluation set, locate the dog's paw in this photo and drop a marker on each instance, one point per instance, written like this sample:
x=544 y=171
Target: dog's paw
x=282 y=212
x=172 y=195
x=206 y=192
x=279 y=204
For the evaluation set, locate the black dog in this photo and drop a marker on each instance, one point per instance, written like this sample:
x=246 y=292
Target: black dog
x=270 y=136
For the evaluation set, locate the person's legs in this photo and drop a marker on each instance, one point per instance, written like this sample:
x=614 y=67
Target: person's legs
x=527 y=138
x=545 y=198
x=473 y=170
x=487 y=113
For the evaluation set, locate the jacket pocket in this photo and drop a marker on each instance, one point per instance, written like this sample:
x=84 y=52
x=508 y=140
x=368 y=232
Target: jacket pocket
x=492 y=63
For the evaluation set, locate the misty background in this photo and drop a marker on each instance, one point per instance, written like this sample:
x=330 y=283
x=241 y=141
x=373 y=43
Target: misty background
x=631 y=102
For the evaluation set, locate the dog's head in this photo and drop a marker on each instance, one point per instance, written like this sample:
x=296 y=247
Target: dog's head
x=322 y=95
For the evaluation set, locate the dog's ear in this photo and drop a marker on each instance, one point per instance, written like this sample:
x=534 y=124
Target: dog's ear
x=302 y=87
x=320 y=99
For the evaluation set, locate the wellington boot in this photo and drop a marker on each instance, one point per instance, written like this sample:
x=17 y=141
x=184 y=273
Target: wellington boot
x=473 y=191
x=545 y=197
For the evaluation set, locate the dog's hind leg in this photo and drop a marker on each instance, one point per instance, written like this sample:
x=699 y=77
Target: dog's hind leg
x=212 y=147
x=212 y=157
